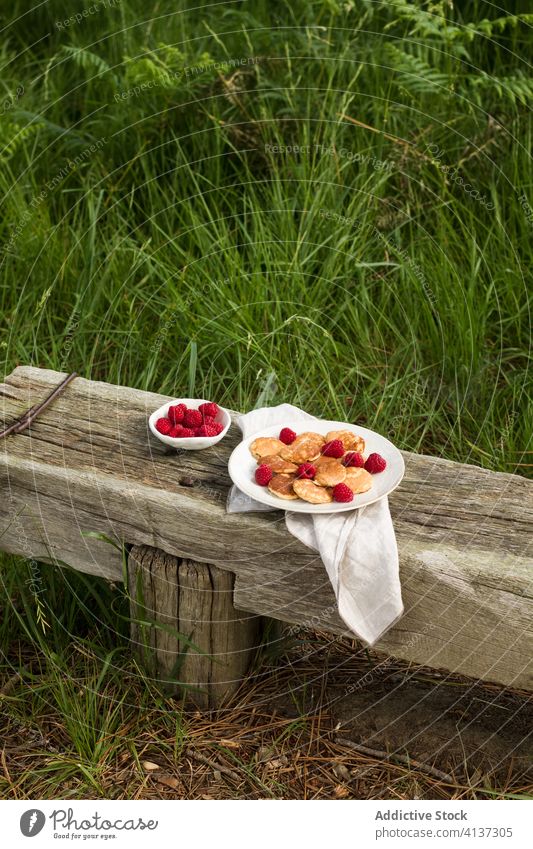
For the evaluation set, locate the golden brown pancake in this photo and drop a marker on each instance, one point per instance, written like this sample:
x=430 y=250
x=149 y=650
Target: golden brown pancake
x=265 y=446
x=350 y=440
x=306 y=447
x=359 y=480
x=282 y=486
x=309 y=434
x=329 y=472
x=278 y=464
x=311 y=492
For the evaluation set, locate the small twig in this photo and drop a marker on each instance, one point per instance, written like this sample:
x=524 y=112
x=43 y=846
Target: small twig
x=407 y=145
x=402 y=759
x=213 y=764
x=394 y=139
x=12 y=682
x=4 y=767
x=30 y=415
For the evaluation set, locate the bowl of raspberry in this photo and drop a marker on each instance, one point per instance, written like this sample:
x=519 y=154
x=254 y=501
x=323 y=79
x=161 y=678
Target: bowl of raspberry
x=190 y=423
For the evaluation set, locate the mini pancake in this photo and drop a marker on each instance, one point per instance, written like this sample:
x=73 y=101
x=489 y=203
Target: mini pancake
x=265 y=446
x=305 y=448
x=350 y=440
x=311 y=492
x=309 y=434
x=277 y=464
x=282 y=486
x=359 y=480
x=329 y=472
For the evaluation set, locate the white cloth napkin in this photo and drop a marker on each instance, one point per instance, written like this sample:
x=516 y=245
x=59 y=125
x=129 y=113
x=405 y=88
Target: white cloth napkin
x=358 y=547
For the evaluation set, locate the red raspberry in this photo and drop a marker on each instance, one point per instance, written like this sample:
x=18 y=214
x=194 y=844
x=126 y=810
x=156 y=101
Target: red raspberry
x=192 y=418
x=176 y=413
x=186 y=432
x=175 y=432
x=335 y=448
x=206 y=430
x=306 y=471
x=287 y=435
x=263 y=474
x=353 y=458
x=208 y=420
x=375 y=463
x=208 y=409
x=217 y=427
x=163 y=426
x=342 y=493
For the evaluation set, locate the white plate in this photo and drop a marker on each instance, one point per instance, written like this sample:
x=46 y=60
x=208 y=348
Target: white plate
x=242 y=466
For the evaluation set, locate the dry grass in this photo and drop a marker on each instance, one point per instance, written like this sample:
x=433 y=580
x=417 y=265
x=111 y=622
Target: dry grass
x=288 y=733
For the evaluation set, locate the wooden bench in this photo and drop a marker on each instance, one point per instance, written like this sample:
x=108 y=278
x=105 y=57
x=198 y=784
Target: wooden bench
x=89 y=464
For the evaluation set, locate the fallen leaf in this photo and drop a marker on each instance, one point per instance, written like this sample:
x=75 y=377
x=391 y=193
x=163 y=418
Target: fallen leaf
x=342 y=772
x=230 y=744
x=149 y=766
x=169 y=781
x=264 y=753
x=277 y=763
x=341 y=792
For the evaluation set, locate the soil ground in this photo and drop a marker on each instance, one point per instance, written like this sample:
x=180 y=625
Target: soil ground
x=322 y=719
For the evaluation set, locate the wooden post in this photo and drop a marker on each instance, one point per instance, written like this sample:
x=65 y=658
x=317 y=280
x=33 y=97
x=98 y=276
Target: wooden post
x=198 y=642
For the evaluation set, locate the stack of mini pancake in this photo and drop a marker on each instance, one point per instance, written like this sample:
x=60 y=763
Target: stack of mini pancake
x=284 y=461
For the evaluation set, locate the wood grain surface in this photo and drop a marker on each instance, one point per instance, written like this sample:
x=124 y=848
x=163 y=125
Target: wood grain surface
x=89 y=464
x=195 y=601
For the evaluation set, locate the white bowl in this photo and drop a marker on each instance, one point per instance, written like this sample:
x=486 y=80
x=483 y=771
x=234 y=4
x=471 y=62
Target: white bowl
x=190 y=443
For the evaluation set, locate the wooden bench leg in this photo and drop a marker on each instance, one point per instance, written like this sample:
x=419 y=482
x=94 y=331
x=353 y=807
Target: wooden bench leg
x=189 y=603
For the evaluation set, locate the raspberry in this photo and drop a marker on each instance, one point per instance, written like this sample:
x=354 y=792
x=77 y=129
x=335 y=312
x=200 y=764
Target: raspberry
x=335 y=448
x=208 y=409
x=217 y=427
x=375 y=463
x=263 y=474
x=287 y=435
x=163 y=426
x=175 y=432
x=353 y=458
x=176 y=413
x=306 y=471
x=209 y=420
x=342 y=493
x=206 y=430
x=186 y=432
x=192 y=418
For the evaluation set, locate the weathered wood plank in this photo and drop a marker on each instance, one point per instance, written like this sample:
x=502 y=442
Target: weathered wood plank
x=90 y=464
x=194 y=600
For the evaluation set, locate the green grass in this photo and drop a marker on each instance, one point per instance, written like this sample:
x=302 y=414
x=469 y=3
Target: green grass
x=182 y=253
x=157 y=240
